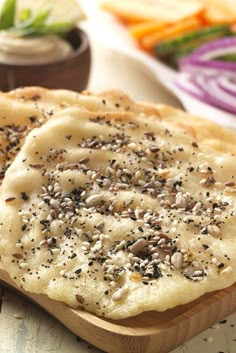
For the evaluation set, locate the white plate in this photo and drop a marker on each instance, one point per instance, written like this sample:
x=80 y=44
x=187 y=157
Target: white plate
x=110 y=32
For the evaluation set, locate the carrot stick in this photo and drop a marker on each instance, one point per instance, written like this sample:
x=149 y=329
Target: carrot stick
x=131 y=21
x=144 y=28
x=150 y=40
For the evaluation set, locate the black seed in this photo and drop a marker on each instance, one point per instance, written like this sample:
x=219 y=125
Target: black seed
x=221 y=265
x=205 y=246
x=24 y=196
x=223 y=322
x=32 y=119
x=44 y=222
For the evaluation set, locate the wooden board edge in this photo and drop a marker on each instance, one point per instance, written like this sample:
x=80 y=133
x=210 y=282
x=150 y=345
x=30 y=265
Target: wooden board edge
x=115 y=338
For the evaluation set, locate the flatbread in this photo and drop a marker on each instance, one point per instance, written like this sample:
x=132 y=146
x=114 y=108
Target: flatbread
x=129 y=213
x=26 y=108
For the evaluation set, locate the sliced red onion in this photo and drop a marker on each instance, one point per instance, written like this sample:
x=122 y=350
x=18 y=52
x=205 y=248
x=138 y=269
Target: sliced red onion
x=184 y=82
x=211 y=81
x=228 y=85
x=210 y=67
x=207 y=89
x=213 y=92
x=202 y=57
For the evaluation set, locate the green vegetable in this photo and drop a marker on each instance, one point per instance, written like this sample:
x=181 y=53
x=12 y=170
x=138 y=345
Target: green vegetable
x=56 y=28
x=40 y=18
x=194 y=39
x=37 y=20
x=30 y=29
x=24 y=15
x=30 y=24
x=228 y=57
x=172 y=60
x=7 y=15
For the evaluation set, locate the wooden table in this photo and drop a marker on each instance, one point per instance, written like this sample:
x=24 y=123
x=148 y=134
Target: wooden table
x=24 y=328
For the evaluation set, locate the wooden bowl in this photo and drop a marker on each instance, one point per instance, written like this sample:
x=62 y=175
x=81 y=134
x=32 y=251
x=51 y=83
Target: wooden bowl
x=71 y=73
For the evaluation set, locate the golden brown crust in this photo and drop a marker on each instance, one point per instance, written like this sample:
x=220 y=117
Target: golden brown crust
x=205 y=131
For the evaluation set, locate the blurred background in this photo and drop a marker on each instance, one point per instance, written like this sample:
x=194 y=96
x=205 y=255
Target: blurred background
x=178 y=52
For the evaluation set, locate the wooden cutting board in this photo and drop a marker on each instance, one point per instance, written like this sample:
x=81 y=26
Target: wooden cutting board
x=151 y=332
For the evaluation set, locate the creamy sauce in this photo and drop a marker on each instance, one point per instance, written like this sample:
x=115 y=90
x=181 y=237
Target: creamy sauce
x=38 y=50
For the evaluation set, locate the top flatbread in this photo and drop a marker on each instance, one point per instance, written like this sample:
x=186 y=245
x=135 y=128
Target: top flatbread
x=129 y=212
x=27 y=108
